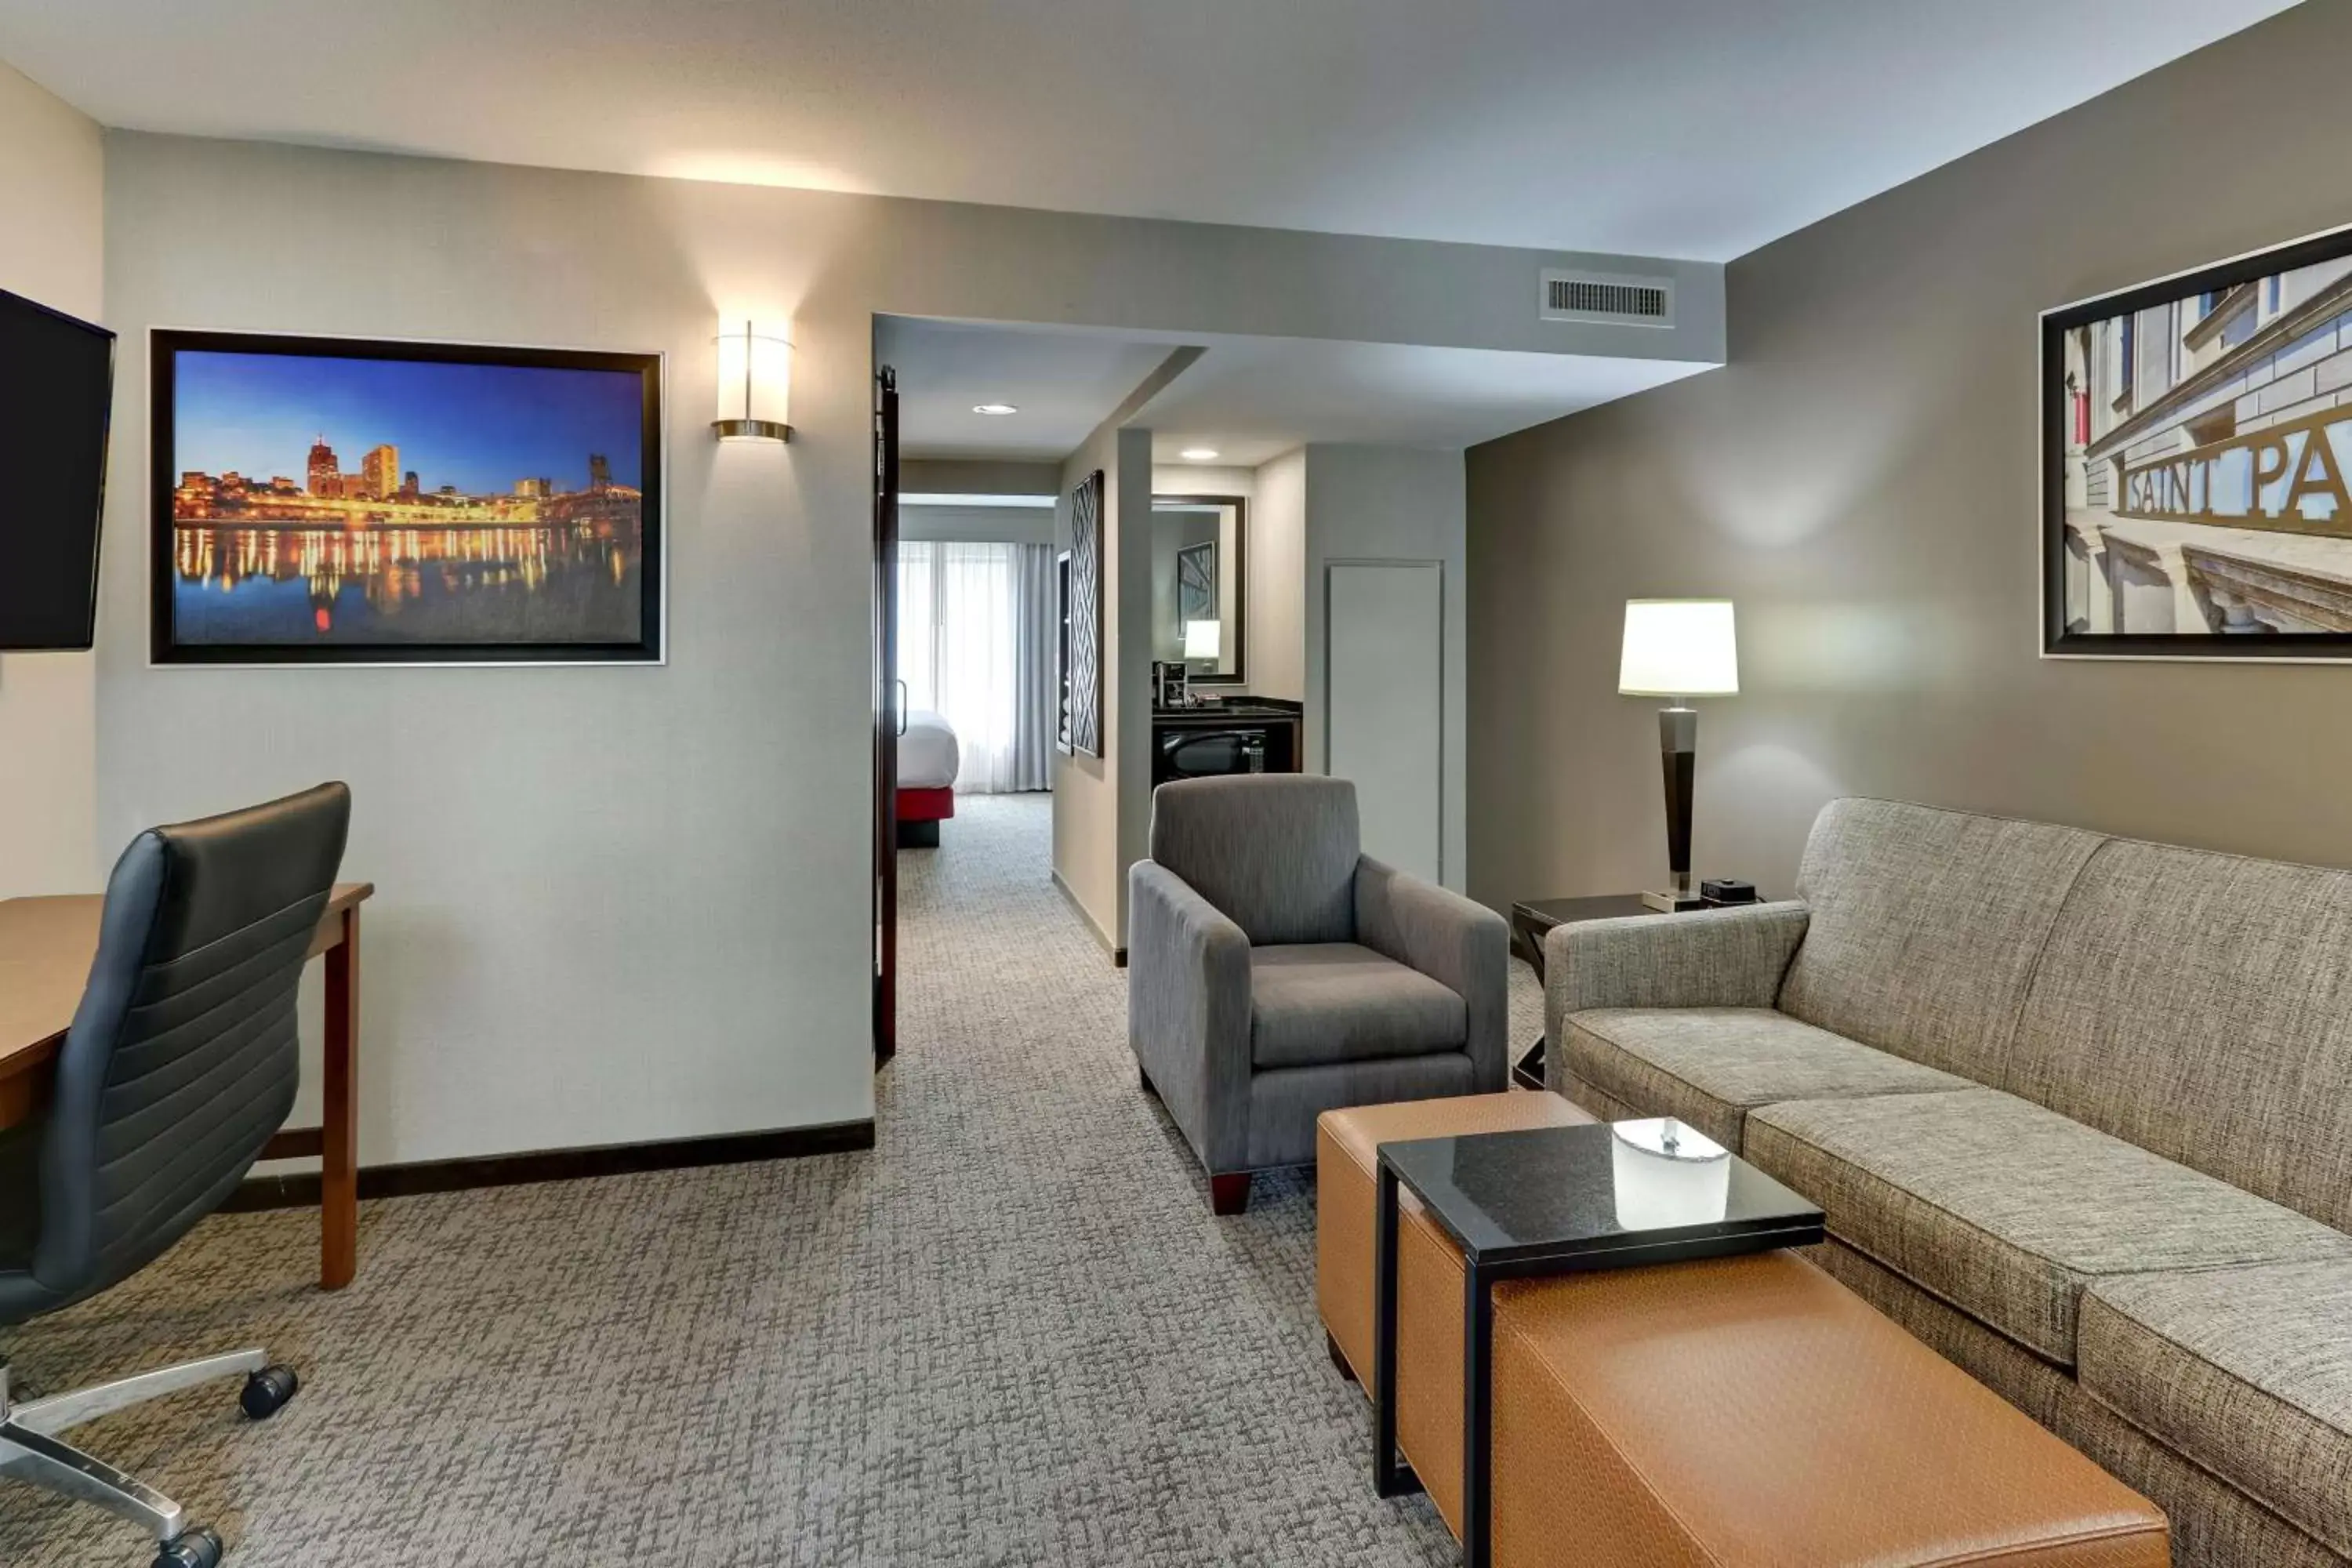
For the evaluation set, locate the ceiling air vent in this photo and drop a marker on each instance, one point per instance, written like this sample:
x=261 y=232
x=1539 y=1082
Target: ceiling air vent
x=1608 y=296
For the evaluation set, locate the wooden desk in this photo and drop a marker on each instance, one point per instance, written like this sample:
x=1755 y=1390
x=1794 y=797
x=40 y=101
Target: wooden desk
x=46 y=948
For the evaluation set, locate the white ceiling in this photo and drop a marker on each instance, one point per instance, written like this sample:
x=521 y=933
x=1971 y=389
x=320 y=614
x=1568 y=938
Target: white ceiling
x=1688 y=128
x=1247 y=398
x=1064 y=383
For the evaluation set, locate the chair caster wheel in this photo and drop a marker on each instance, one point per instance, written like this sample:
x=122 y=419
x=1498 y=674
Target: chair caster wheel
x=266 y=1391
x=196 y=1548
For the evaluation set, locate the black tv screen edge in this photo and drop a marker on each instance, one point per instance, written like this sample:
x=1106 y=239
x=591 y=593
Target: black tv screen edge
x=56 y=393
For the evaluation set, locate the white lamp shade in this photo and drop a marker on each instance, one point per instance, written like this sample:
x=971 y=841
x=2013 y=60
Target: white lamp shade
x=1203 y=638
x=755 y=381
x=1679 y=647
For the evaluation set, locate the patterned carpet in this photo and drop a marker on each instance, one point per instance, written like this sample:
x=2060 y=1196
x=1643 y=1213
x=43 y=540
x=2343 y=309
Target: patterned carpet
x=1012 y=1334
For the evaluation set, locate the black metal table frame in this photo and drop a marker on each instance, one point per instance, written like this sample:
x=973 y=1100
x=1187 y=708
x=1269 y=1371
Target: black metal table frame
x=1390 y=1476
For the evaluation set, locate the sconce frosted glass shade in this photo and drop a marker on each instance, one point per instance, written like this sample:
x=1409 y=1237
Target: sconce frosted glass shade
x=1201 y=640
x=755 y=383
x=1679 y=647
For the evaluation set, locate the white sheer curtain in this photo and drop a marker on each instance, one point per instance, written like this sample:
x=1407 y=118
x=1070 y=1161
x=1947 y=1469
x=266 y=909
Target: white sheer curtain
x=973 y=621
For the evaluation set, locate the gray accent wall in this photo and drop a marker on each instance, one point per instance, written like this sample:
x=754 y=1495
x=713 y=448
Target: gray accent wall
x=1862 y=479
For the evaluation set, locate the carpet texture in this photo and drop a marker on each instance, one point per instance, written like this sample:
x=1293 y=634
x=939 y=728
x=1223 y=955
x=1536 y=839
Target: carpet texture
x=1012 y=1334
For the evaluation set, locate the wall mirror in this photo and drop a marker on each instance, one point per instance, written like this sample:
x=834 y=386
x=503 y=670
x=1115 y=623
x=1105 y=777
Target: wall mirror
x=1197 y=565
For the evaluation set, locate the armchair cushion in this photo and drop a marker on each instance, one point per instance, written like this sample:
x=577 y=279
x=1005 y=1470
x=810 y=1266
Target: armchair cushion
x=1319 y=1003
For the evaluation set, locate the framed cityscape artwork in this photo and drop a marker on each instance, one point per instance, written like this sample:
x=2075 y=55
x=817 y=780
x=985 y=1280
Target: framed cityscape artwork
x=2197 y=442
x=343 y=500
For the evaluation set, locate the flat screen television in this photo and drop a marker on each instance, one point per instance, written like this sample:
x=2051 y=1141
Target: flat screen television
x=57 y=389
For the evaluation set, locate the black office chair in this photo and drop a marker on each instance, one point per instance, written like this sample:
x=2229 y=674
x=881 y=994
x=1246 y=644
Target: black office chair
x=180 y=1065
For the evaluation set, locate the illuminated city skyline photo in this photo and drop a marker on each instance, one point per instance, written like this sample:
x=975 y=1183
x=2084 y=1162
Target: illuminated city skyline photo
x=410 y=503
x=476 y=428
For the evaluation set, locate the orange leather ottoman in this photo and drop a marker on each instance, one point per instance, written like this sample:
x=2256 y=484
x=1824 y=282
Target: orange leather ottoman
x=1428 y=1266
x=1739 y=1413
x=1753 y=1411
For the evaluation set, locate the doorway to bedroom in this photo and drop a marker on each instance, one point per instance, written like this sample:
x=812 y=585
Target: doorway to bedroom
x=975 y=651
x=980 y=432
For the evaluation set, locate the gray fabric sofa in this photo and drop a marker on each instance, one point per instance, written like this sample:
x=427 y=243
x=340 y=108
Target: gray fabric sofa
x=2079 y=1111
x=1276 y=972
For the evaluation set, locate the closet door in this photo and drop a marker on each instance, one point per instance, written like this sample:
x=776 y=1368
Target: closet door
x=1384 y=679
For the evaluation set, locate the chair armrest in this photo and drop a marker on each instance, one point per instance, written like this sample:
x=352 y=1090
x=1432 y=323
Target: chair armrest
x=1701 y=958
x=1187 y=1011
x=1463 y=946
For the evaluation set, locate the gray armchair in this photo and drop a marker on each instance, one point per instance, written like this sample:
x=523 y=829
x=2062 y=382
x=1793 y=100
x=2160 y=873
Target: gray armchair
x=1276 y=972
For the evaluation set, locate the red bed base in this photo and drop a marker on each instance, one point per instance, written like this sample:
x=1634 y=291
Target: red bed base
x=920 y=811
x=926 y=804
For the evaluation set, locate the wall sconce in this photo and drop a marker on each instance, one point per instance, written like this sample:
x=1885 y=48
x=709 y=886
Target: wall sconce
x=755 y=383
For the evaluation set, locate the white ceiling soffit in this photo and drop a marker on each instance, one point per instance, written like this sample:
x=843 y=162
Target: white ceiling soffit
x=1249 y=399
x=1690 y=127
x=1062 y=383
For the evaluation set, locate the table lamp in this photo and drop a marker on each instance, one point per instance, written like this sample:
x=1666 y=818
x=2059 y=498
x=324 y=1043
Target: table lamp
x=1677 y=648
x=1201 y=640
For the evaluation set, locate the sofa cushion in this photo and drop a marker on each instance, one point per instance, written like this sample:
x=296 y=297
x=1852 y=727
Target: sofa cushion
x=2006 y=1210
x=1925 y=927
x=1337 y=1002
x=2200 y=1005
x=1711 y=1065
x=2246 y=1371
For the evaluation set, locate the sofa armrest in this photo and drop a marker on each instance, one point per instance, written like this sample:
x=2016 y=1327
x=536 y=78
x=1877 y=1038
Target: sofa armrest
x=1463 y=946
x=1187 y=1011
x=1701 y=958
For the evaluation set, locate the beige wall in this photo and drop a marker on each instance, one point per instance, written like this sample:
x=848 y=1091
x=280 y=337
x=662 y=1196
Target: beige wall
x=52 y=192
x=1862 y=481
x=1277 y=611
x=979 y=525
x=1093 y=841
x=624 y=904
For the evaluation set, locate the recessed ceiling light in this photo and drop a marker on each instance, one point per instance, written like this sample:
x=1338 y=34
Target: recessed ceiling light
x=994 y=410
x=1199 y=453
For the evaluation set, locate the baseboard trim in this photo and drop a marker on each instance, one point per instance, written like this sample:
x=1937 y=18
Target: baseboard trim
x=301 y=1190
x=1102 y=937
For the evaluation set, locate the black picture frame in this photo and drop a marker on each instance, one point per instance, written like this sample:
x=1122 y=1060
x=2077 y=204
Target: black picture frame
x=2144 y=440
x=1062 y=651
x=1082 y=663
x=1235 y=562
x=165 y=646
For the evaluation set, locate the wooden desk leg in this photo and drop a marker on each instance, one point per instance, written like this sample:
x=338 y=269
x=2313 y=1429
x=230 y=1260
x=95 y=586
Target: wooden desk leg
x=339 y=1169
